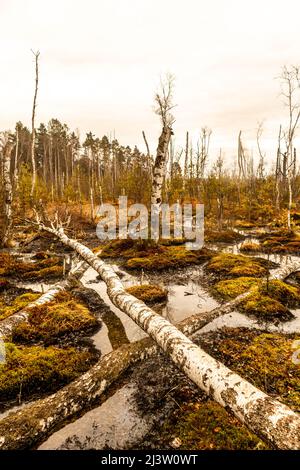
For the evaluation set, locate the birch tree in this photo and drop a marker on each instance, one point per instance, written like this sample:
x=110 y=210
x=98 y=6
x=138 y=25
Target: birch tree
x=6 y=147
x=33 y=133
x=290 y=90
x=273 y=421
x=164 y=105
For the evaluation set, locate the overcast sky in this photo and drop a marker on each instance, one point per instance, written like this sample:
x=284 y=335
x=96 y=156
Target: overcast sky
x=101 y=61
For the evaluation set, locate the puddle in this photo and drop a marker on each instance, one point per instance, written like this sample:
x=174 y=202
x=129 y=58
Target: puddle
x=238 y=320
x=184 y=299
x=114 y=425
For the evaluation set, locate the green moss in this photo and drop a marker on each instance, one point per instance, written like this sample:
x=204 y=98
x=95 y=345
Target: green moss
x=265 y=360
x=244 y=224
x=52 y=272
x=281 y=242
x=129 y=248
x=35 y=370
x=229 y=265
x=208 y=426
x=250 y=247
x=231 y=288
x=54 y=320
x=17 y=304
x=169 y=257
x=223 y=236
x=148 y=293
x=264 y=307
x=152 y=256
x=45 y=269
x=281 y=291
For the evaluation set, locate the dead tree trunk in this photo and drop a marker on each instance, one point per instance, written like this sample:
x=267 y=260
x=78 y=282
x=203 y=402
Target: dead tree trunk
x=160 y=166
x=266 y=417
x=33 y=163
x=7 y=147
x=34 y=423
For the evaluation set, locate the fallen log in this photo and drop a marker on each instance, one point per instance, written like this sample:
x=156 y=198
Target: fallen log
x=283 y=272
x=32 y=424
x=274 y=422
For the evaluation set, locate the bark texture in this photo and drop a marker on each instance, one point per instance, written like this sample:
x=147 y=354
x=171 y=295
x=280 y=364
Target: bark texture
x=8 y=194
x=160 y=165
x=274 y=422
x=33 y=133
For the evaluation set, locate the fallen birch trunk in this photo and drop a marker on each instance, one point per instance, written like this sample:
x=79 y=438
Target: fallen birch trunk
x=284 y=271
x=274 y=422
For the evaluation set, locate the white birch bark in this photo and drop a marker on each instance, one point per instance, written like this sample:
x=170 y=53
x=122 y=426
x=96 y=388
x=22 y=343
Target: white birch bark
x=6 y=149
x=160 y=166
x=33 y=163
x=273 y=421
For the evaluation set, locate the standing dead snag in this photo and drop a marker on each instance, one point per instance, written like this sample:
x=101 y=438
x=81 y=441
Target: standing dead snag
x=164 y=101
x=290 y=81
x=6 y=147
x=274 y=422
x=33 y=163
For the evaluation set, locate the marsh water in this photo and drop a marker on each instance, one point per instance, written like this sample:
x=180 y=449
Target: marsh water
x=117 y=424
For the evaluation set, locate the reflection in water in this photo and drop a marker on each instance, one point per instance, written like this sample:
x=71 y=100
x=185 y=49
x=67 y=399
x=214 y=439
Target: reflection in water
x=114 y=425
x=238 y=320
x=184 y=300
x=116 y=331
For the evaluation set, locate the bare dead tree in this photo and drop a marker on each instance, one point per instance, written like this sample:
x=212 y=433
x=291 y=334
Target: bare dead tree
x=290 y=90
x=33 y=162
x=202 y=151
x=164 y=105
x=261 y=164
x=186 y=159
x=241 y=157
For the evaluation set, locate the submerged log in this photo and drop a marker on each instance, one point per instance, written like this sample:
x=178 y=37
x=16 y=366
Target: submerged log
x=274 y=422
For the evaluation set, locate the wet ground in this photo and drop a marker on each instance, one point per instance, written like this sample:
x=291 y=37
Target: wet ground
x=146 y=397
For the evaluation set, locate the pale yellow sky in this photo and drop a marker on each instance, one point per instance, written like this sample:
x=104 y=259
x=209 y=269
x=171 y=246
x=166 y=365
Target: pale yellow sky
x=101 y=61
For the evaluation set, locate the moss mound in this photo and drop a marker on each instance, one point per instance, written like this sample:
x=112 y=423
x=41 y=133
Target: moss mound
x=148 y=293
x=250 y=247
x=264 y=307
x=229 y=265
x=47 y=268
x=231 y=288
x=34 y=370
x=17 y=304
x=53 y=320
x=208 y=426
x=223 y=236
x=281 y=291
x=151 y=256
x=263 y=359
x=281 y=242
